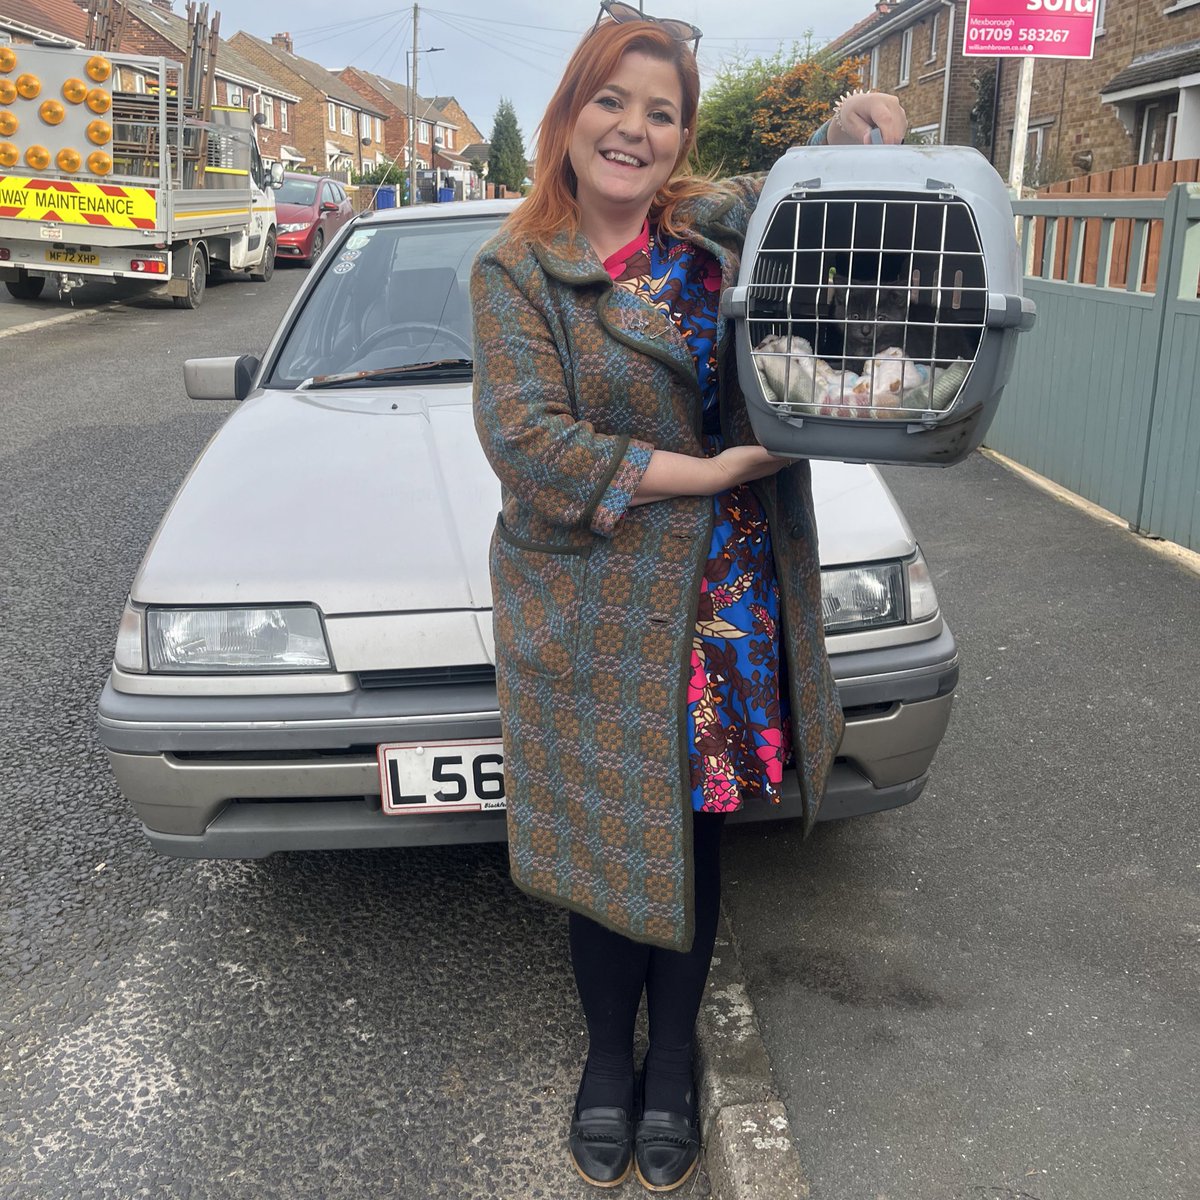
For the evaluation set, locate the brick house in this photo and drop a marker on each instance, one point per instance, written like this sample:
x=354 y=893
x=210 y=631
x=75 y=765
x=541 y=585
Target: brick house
x=913 y=48
x=443 y=131
x=391 y=98
x=151 y=27
x=1136 y=101
x=452 y=115
x=43 y=20
x=336 y=129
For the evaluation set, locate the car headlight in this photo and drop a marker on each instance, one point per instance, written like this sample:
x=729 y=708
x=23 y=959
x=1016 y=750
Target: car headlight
x=879 y=594
x=296 y=228
x=862 y=597
x=236 y=640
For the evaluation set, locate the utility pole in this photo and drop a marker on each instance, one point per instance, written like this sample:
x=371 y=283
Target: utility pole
x=1016 y=167
x=412 y=119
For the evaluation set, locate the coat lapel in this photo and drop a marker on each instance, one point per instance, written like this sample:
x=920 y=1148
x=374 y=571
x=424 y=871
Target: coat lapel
x=625 y=317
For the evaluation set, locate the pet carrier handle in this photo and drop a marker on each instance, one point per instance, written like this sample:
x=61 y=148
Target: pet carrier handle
x=1010 y=312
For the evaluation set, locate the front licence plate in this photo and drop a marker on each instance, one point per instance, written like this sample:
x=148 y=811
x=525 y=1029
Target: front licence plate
x=460 y=776
x=76 y=258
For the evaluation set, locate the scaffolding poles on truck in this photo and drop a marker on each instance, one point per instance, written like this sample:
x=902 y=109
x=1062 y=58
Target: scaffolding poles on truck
x=106 y=20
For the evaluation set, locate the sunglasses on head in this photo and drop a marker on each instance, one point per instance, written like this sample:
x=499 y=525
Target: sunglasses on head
x=681 y=31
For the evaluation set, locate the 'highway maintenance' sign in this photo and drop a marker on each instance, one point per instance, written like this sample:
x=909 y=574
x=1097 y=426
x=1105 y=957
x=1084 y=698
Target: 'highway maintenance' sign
x=68 y=203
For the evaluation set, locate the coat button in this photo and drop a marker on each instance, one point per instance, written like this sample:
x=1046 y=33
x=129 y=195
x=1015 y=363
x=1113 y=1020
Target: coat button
x=796 y=531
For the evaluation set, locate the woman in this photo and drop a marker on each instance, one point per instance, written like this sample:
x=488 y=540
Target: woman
x=657 y=595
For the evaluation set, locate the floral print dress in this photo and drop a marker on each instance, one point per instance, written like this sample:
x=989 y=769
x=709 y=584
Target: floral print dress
x=738 y=728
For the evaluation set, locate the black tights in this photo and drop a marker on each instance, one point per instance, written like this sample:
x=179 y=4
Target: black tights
x=611 y=971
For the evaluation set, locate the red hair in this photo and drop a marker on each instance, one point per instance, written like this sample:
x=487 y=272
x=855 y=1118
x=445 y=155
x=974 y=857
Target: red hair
x=551 y=207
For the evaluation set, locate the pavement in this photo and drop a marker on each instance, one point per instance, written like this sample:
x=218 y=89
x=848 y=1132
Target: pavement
x=992 y=992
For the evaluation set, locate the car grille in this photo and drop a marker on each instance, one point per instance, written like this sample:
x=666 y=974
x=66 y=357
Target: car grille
x=427 y=676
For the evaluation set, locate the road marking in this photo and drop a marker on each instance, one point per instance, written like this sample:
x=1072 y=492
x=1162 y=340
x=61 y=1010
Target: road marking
x=73 y=315
x=1188 y=559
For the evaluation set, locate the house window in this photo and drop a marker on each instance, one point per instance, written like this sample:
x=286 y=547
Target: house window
x=268 y=110
x=923 y=135
x=347 y=121
x=283 y=117
x=332 y=115
x=424 y=132
x=378 y=130
x=448 y=137
x=1100 y=16
x=906 y=39
x=235 y=96
x=1035 y=151
x=933 y=36
x=874 y=66
x=1156 y=125
x=364 y=125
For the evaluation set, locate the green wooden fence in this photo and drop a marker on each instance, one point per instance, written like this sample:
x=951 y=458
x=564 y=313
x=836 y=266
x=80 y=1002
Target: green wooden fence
x=1103 y=395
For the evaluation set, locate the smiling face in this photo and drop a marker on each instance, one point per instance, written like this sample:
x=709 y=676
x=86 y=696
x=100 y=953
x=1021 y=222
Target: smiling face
x=627 y=140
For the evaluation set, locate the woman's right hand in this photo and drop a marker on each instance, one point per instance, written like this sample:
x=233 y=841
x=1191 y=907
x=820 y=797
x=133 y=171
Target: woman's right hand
x=741 y=464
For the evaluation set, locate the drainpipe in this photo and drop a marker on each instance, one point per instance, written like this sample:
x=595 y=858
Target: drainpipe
x=949 y=67
x=995 y=112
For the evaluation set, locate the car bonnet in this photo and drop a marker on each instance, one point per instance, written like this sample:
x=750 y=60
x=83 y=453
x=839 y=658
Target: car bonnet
x=358 y=501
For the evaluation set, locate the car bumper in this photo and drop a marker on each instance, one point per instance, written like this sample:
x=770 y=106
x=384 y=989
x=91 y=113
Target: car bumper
x=294 y=245
x=246 y=776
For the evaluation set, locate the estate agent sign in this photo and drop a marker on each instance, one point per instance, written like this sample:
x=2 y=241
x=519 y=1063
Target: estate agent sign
x=1029 y=28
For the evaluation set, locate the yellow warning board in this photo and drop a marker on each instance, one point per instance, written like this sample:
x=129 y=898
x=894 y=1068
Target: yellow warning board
x=68 y=203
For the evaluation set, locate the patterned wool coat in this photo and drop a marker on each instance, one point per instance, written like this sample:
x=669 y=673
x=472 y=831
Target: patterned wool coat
x=595 y=602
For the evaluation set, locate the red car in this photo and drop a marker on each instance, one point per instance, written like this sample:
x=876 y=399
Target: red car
x=310 y=209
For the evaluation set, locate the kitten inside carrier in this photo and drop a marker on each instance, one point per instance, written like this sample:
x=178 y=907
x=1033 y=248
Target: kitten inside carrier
x=865 y=318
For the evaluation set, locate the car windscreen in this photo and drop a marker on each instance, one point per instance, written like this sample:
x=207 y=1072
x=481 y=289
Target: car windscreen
x=393 y=295
x=296 y=191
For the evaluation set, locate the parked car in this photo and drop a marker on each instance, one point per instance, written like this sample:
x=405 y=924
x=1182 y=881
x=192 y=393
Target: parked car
x=311 y=210
x=306 y=658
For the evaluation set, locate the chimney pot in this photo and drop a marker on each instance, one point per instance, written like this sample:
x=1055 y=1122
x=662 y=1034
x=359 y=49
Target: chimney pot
x=883 y=7
x=283 y=41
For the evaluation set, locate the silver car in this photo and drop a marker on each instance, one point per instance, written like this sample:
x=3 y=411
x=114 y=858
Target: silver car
x=306 y=658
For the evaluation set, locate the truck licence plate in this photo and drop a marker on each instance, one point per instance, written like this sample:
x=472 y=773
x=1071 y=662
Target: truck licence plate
x=458 y=776
x=76 y=258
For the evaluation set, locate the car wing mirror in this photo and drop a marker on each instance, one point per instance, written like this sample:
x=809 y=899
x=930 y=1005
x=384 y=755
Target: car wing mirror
x=328 y=206
x=277 y=175
x=220 y=378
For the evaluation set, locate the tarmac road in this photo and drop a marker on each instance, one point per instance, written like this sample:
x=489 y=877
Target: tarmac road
x=312 y=1027
x=993 y=993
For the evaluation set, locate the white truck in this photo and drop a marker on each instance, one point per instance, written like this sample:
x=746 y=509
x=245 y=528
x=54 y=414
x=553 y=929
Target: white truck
x=107 y=172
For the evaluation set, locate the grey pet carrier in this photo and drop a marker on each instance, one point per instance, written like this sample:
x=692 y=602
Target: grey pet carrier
x=878 y=303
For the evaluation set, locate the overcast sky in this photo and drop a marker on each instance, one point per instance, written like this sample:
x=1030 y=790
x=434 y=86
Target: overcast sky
x=514 y=48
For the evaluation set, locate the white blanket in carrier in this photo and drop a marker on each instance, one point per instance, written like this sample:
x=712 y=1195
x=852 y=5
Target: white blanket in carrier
x=805 y=385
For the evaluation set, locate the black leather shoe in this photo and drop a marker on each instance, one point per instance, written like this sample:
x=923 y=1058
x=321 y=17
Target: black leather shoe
x=666 y=1149
x=601 y=1145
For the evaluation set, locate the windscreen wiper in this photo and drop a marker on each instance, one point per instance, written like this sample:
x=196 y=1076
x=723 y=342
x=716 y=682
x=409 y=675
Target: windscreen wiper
x=438 y=366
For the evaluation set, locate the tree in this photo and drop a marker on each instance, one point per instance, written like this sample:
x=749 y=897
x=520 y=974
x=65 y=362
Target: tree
x=725 y=136
x=792 y=107
x=506 y=158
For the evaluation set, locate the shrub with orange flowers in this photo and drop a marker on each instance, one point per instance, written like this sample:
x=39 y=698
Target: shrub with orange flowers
x=796 y=104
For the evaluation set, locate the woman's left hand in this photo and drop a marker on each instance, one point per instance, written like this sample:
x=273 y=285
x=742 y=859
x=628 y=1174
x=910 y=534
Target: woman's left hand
x=859 y=114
